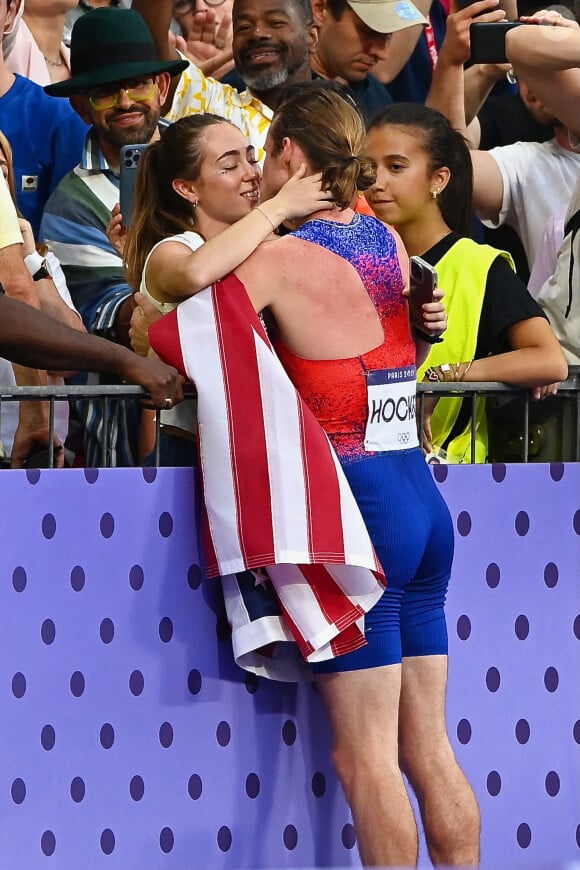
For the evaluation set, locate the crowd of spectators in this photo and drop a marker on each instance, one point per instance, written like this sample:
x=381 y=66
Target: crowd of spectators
x=77 y=83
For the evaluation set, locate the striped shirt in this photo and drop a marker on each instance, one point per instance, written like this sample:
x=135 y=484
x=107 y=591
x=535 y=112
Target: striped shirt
x=74 y=226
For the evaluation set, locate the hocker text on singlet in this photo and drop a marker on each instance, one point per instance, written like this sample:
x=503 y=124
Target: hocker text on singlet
x=391 y=418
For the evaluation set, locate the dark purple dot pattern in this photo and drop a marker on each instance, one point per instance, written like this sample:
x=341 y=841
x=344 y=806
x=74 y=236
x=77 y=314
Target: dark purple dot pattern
x=166 y=735
x=149 y=474
x=91 y=475
x=147 y=636
x=498 y=472
x=48 y=843
x=194 y=682
x=107 y=630
x=576 y=522
x=166 y=840
x=522 y=731
x=348 y=836
x=463 y=627
x=18 y=791
x=289 y=732
x=492 y=575
x=19 y=579
x=464 y=731
x=18 y=685
x=223 y=734
x=33 y=475
x=464 y=524
x=318 y=784
x=165 y=525
x=166 y=629
x=524 y=835
x=136 y=788
x=107 y=736
x=522 y=523
x=77 y=684
x=136 y=683
x=493 y=783
x=77 y=789
x=48 y=737
x=136 y=577
x=107 y=526
x=195 y=787
x=551 y=575
x=48 y=526
x=77 y=578
x=552 y=783
x=522 y=627
x=48 y=631
x=492 y=679
x=107 y=842
x=252 y=785
x=224 y=839
x=194 y=577
x=440 y=473
x=290 y=837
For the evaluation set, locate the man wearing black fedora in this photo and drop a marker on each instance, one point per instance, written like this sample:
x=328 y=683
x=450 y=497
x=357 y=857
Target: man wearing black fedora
x=117 y=86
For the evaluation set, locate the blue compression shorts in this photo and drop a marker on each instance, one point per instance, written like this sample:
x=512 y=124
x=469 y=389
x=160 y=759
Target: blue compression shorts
x=411 y=529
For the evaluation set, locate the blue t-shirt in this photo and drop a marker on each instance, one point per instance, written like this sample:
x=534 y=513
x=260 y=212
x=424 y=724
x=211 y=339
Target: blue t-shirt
x=47 y=138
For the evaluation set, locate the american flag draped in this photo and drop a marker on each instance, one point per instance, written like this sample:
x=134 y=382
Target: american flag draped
x=276 y=500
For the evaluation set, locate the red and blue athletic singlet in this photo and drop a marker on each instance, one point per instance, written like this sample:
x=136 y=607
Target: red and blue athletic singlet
x=366 y=405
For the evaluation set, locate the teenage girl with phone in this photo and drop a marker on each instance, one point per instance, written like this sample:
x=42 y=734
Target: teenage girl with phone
x=496 y=331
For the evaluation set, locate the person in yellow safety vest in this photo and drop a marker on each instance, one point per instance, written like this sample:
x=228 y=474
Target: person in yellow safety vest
x=496 y=331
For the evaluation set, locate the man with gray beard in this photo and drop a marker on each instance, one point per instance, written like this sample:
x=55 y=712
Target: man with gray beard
x=272 y=45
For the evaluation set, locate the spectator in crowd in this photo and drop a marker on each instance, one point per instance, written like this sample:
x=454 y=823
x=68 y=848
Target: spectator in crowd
x=504 y=176
x=121 y=100
x=46 y=135
x=496 y=332
x=81 y=7
x=39 y=52
x=272 y=45
x=355 y=35
x=547 y=58
x=192 y=20
x=32 y=339
x=54 y=299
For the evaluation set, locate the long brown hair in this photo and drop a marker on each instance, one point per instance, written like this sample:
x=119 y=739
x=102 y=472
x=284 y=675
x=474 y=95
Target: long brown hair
x=159 y=210
x=330 y=131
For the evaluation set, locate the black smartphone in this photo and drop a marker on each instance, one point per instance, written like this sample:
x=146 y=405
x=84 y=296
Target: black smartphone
x=422 y=285
x=130 y=156
x=487 y=40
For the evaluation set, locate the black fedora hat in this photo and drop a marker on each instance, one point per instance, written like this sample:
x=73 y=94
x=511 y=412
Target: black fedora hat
x=111 y=45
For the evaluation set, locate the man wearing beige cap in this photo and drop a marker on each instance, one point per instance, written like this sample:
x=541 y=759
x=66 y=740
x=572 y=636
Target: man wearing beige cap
x=354 y=35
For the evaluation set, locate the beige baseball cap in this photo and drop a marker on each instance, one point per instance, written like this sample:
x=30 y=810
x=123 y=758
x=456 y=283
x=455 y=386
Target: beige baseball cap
x=387 y=16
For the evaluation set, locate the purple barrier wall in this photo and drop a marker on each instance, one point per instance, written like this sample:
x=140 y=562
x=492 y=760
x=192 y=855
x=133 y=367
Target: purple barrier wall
x=130 y=740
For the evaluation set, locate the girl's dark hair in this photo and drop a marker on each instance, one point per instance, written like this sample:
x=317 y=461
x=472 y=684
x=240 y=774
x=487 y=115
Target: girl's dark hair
x=331 y=133
x=159 y=210
x=444 y=147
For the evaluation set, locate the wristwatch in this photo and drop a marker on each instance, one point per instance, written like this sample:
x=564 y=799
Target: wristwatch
x=37 y=266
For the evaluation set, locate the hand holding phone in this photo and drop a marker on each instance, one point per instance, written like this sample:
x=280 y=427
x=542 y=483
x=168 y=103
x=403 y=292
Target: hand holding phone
x=130 y=156
x=423 y=284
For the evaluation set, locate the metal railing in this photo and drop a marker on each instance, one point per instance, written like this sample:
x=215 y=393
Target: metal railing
x=568 y=392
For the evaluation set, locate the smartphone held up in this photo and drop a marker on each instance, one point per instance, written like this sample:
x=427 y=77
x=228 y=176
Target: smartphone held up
x=130 y=156
x=423 y=284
